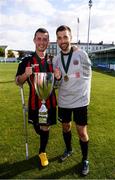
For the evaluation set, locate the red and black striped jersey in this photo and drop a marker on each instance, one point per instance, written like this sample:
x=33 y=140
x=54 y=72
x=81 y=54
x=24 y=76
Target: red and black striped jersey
x=34 y=101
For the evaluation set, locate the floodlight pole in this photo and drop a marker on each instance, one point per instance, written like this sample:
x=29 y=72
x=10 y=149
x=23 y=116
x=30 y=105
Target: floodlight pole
x=77 y=30
x=90 y=5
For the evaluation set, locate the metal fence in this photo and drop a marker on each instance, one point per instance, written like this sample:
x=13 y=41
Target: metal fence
x=3 y=59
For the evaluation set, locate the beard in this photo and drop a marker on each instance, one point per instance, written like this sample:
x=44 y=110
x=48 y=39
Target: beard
x=64 y=47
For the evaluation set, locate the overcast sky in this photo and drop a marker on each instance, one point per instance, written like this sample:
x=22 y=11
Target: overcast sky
x=19 y=19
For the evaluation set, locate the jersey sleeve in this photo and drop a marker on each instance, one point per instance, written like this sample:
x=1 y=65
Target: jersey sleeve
x=21 y=67
x=86 y=65
x=85 y=59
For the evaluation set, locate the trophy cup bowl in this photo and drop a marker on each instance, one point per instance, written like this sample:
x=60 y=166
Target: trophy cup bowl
x=43 y=83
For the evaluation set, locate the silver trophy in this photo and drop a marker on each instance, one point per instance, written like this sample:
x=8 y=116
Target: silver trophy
x=43 y=83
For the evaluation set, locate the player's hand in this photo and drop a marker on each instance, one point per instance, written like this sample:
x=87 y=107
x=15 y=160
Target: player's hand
x=28 y=71
x=57 y=73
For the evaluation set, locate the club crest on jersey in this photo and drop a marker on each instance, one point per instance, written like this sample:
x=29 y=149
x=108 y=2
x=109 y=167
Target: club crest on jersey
x=75 y=62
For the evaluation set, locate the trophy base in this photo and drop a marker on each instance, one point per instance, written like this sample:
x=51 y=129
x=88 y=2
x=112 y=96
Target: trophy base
x=43 y=118
x=43 y=115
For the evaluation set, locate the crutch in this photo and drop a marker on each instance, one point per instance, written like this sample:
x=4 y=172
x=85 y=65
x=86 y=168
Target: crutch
x=25 y=109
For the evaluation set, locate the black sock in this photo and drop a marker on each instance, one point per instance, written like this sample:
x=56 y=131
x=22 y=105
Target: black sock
x=84 y=149
x=67 y=140
x=37 y=128
x=44 y=136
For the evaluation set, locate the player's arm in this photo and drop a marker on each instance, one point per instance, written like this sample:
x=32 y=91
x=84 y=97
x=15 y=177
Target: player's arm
x=23 y=73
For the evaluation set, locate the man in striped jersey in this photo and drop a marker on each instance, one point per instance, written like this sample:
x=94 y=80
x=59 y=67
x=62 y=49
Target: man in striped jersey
x=42 y=63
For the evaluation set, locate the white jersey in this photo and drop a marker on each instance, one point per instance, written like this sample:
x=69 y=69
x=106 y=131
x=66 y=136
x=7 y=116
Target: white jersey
x=76 y=91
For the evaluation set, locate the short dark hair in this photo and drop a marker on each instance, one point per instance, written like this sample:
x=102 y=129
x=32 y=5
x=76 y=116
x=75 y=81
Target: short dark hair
x=41 y=30
x=63 y=28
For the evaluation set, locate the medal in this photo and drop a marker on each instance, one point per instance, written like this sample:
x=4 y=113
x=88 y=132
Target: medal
x=66 y=78
x=66 y=66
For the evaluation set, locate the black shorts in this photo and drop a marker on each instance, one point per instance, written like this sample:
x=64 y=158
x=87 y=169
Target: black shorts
x=33 y=117
x=79 y=115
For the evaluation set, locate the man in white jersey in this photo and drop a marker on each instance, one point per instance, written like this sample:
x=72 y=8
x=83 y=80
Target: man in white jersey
x=72 y=68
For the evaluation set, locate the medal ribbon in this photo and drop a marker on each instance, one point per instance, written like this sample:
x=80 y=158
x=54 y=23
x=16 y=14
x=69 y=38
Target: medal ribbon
x=66 y=67
x=42 y=68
